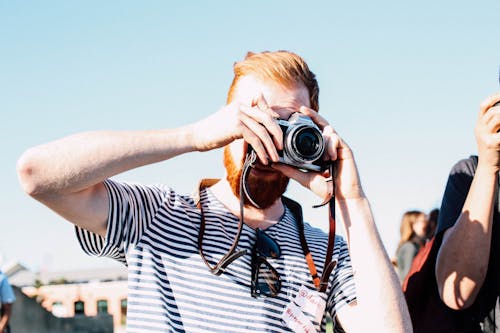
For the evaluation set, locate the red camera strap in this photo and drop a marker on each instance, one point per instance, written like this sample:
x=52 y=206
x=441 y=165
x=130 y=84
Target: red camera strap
x=321 y=283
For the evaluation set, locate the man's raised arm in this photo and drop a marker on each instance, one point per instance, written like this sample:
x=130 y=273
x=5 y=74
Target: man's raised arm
x=67 y=174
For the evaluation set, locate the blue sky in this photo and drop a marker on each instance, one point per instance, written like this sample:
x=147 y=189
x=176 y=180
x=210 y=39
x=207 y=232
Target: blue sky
x=400 y=81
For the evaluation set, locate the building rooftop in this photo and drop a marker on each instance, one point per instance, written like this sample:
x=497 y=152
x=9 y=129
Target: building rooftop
x=24 y=277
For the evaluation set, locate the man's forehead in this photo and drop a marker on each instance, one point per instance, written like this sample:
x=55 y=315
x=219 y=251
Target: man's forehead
x=277 y=96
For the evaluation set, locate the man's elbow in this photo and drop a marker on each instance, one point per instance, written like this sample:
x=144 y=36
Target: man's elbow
x=457 y=295
x=29 y=176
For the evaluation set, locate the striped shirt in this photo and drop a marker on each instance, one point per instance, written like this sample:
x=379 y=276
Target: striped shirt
x=154 y=231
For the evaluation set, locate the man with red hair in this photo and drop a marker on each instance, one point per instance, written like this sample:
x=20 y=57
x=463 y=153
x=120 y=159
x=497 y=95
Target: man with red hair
x=237 y=257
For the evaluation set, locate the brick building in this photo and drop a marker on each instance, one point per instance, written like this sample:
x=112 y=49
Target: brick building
x=83 y=292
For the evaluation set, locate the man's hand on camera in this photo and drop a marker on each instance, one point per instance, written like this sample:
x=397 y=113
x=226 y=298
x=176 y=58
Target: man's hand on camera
x=255 y=124
x=487 y=133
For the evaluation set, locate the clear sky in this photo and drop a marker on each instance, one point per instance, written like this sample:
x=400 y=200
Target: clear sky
x=400 y=81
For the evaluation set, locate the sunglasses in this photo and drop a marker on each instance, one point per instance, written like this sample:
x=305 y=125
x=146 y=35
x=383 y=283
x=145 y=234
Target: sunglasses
x=265 y=279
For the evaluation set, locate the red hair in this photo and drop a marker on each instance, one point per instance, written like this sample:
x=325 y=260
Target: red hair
x=283 y=67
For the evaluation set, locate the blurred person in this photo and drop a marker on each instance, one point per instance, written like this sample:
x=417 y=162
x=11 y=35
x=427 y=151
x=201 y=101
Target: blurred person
x=7 y=299
x=414 y=231
x=432 y=218
x=261 y=280
x=467 y=272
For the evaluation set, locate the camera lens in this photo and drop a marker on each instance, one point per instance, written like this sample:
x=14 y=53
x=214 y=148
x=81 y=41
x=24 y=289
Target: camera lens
x=306 y=142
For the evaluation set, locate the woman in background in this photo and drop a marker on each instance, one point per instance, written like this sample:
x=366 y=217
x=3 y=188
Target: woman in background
x=414 y=231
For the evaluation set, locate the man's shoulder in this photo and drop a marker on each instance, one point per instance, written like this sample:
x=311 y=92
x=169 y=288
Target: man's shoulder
x=465 y=165
x=457 y=188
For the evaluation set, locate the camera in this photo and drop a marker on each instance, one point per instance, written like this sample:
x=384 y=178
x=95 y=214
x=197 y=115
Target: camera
x=303 y=143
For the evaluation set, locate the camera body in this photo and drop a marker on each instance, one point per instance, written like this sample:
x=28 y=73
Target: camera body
x=303 y=144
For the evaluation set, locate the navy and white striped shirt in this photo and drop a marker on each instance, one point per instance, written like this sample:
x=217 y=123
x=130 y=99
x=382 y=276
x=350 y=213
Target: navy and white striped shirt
x=154 y=231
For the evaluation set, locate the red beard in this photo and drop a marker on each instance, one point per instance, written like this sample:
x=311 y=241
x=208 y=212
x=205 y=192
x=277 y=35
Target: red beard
x=264 y=190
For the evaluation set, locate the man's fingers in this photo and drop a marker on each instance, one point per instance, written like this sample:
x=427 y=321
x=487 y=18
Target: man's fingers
x=261 y=103
x=332 y=143
x=493 y=119
x=315 y=116
x=269 y=123
x=260 y=133
x=252 y=139
x=310 y=180
x=490 y=120
x=488 y=103
x=290 y=172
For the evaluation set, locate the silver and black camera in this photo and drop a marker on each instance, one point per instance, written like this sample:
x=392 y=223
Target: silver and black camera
x=303 y=143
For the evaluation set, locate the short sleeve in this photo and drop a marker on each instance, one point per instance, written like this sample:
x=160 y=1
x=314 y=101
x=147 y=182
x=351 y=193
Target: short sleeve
x=132 y=208
x=457 y=188
x=6 y=293
x=343 y=290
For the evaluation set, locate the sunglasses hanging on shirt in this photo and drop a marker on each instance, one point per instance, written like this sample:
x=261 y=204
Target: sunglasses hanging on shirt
x=265 y=279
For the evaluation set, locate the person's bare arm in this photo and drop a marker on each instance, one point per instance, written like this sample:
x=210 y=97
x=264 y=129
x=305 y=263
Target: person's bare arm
x=6 y=313
x=463 y=257
x=380 y=301
x=67 y=175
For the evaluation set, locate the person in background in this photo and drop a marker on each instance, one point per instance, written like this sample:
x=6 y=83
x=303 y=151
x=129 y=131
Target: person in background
x=432 y=218
x=467 y=265
x=7 y=299
x=414 y=232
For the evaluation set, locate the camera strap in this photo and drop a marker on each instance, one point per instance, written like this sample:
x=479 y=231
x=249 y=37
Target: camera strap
x=232 y=254
x=321 y=283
